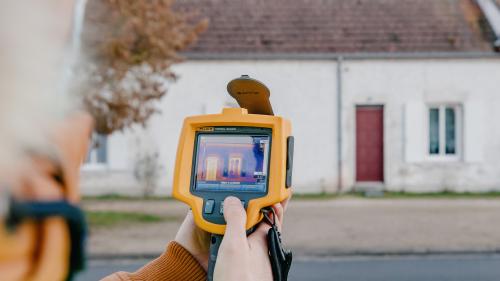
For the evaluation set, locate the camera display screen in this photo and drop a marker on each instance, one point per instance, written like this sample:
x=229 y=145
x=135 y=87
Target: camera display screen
x=231 y=162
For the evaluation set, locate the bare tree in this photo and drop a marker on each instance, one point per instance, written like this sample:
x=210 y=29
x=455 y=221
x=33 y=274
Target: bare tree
x=128 y=49
x=147 y=170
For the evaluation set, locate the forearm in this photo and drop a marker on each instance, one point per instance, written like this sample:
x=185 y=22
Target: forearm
x=176 y=263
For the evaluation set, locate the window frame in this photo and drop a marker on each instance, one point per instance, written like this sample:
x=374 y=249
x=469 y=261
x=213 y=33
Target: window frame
x=92 y=164
x=442 y=156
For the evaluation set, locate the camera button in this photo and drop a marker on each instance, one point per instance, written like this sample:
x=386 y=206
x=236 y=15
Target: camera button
x=209 y=206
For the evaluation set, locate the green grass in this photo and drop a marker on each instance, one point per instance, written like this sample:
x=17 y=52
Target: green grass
x=333 y=196
x=316 y=196
x=442 y=195
x=114 y=218
x=401 y=195
x=115 y=197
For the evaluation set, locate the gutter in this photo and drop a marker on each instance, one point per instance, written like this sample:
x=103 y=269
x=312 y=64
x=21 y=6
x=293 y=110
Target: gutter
x=334 y=56
x=492 y=13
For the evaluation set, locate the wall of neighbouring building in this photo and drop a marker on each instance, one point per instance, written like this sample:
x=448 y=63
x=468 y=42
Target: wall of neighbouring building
x=306 y=92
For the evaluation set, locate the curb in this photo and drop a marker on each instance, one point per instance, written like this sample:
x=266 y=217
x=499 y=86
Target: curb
x=140 y=256
x=306 y=256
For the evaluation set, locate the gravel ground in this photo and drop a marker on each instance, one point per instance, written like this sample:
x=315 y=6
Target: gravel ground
x=318 y=228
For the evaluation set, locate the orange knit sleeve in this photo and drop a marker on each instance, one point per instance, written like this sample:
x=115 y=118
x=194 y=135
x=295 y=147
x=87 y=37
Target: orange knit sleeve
x=176 y=263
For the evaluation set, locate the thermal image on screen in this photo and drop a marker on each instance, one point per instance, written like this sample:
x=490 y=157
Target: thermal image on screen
x=232 y=163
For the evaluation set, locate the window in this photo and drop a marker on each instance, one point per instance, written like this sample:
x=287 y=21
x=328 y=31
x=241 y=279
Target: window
x=444 y=130
x=98 y=152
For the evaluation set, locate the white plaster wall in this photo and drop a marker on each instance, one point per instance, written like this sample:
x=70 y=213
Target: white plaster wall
x=117 y=176
x=303 y=91
x=475 y=84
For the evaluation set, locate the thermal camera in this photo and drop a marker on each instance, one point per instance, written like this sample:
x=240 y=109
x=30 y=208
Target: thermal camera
x=243 y=152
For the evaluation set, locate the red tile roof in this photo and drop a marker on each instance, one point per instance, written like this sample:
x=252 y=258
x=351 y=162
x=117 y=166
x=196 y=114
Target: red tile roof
x=339 y=26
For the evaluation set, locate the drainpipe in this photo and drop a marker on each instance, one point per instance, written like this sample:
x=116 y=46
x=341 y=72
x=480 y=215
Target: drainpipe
x=492 y=13
x=339 y=123
x=78 y=20
x=74 y=55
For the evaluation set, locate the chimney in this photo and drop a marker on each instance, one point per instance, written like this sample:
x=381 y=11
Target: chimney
x=492 y=13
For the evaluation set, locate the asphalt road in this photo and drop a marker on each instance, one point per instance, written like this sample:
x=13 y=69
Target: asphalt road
x=477 y=267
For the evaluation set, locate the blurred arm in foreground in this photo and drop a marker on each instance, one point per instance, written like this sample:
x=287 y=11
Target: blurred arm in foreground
x=41 y=249
x=42 y=146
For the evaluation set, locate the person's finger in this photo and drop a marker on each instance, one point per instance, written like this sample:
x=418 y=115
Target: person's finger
x=236 y=219
x=260 y=252
x=285 y=202
x=279 y=211
x=259 y=236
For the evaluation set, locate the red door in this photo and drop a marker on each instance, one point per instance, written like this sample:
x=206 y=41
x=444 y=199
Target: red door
x=369 y=143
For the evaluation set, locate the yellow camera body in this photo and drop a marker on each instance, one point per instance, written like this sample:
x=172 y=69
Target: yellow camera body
x=193 y=184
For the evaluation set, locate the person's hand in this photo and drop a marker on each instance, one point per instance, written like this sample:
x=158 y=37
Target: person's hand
x=195 y=240
x=240 y=257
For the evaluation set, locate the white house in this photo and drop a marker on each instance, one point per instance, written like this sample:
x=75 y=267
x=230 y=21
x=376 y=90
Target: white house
x=396 y=94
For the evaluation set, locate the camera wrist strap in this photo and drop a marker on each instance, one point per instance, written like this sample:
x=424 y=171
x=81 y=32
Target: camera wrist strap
x=215 y=240
x=280 y=258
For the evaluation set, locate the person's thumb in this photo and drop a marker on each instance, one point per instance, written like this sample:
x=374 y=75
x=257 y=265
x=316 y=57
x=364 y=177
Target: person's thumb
x=236 y=219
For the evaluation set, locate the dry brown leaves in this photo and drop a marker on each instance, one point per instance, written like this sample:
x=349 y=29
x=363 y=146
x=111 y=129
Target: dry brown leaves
x=129 y=47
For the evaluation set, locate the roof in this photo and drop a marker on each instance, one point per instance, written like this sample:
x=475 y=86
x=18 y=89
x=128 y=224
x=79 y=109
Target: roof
x=340 y=26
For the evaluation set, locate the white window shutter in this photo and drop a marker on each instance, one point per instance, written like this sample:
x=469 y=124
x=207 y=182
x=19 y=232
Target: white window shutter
x=414 y=132
x=473 y=131
x=118 y=151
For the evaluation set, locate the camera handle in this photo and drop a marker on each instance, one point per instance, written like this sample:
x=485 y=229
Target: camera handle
x=215 y=240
